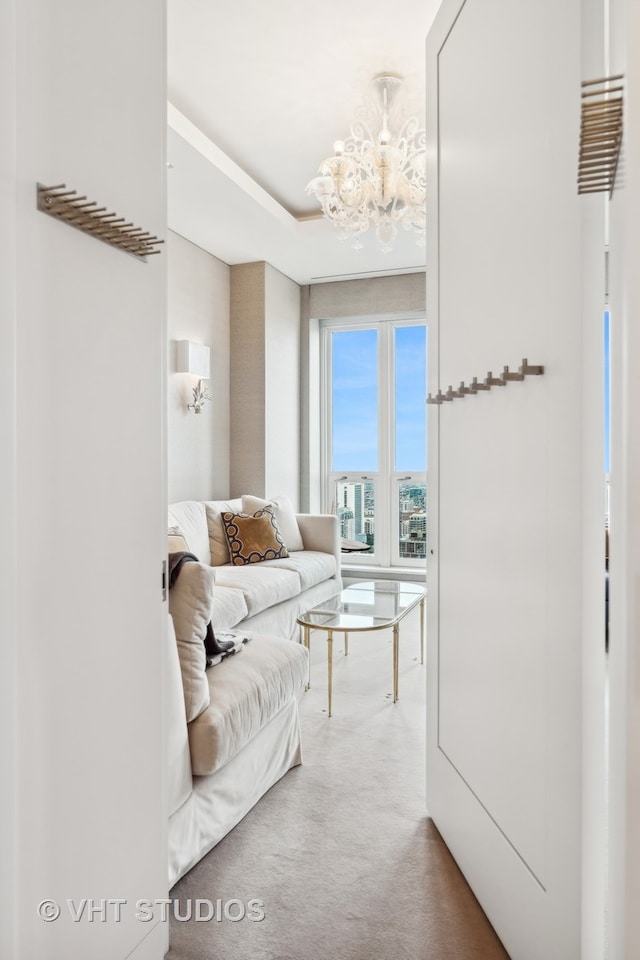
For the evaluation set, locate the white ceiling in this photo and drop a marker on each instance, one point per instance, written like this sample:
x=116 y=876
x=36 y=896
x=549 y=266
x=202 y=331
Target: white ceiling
x=258 y=91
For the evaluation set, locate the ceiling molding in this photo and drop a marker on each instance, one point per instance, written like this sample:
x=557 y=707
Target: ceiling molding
x=219 y=159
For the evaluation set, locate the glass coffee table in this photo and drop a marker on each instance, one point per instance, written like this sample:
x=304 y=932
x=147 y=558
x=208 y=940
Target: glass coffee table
x=370 y=605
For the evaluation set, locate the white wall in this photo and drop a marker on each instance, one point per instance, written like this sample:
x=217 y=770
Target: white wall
x=198 y=310
x=84 y=343
x=8 y=489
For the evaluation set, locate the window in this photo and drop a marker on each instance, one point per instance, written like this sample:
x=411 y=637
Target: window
x=375 y=437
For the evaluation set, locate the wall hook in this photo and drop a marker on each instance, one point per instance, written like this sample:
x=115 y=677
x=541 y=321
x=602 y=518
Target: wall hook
x=452 y=394
x=463 y=391
x=511 y=374
x=492 y=381
x=530 y=371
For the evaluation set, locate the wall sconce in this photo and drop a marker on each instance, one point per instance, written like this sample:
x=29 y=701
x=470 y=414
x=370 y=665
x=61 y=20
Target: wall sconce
x=194 y=358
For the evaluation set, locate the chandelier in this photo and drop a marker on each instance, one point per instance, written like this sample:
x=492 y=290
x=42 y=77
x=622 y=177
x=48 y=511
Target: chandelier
x=377 y=176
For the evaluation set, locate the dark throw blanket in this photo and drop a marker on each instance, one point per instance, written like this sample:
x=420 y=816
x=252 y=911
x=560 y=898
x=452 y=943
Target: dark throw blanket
x=216 y=648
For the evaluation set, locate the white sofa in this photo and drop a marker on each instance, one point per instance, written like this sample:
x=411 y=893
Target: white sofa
x=233 y=729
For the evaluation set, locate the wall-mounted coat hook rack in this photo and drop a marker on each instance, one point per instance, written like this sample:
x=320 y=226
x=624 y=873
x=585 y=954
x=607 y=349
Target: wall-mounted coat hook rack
x=600 y=134
x=67 y=205
x=525 y=369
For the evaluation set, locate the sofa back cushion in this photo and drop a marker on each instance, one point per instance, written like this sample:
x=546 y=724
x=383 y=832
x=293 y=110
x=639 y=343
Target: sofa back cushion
x=285 y=516
x=190 y=518
x=218 y=547
x=190 y=606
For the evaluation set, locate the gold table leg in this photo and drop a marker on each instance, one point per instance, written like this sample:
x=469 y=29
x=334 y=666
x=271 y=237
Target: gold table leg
x=346 y=644
x=395 y=662
x=307 y=643
x=422 y=608
x=329 y=666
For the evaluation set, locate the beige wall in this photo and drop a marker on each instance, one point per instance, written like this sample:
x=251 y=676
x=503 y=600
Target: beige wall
x=395 y=296
x=265 y=382
x=198 y=445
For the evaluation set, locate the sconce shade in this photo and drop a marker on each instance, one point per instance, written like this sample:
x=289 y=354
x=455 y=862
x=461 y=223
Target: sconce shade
x=192 y=358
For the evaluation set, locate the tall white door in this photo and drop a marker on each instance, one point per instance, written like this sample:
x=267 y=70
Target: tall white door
x=516 y=470
x=82 y=360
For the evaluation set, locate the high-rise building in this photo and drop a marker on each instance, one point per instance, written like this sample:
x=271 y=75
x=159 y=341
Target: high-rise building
x=350 y=497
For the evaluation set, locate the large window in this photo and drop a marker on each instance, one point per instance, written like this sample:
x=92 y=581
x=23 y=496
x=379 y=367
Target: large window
x=375 y=438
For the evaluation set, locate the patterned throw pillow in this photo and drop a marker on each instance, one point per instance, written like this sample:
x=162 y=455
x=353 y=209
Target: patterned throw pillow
x=253 y=538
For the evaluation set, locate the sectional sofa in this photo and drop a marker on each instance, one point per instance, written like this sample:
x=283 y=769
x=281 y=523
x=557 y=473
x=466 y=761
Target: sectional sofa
x=234 y=728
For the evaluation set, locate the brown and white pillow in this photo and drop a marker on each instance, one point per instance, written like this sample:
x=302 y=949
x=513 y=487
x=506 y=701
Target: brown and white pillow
x=285 y=517
x=253 y=537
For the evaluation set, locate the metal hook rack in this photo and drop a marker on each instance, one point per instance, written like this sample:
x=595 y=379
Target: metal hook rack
x=600 y=134
x=525 y=369
x=68 y=206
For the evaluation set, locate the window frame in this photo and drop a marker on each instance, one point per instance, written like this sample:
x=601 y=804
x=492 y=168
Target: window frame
x=386 y=478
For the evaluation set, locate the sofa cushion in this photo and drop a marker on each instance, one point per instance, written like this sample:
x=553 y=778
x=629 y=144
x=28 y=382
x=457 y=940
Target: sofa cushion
x=246 y=692
x=190 y=518
x=229 y=607
x=190 y=606
x=253 y=538
x=262 y=584
x=312 y=566
x=218 y=546
x=285 y=517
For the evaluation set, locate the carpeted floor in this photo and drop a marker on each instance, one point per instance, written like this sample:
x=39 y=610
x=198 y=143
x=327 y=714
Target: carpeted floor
x=341 y=851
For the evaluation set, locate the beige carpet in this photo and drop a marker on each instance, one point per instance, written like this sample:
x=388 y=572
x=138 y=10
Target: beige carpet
x=341 y=851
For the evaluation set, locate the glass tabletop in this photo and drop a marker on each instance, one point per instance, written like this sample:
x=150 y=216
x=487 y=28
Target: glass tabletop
x=368 y=605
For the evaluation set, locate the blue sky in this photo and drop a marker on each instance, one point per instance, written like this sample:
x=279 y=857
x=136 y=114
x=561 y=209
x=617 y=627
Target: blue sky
x=355 y=399
x=607 y=443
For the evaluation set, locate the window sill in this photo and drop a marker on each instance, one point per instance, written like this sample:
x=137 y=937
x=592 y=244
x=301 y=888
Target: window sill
x=352 y=571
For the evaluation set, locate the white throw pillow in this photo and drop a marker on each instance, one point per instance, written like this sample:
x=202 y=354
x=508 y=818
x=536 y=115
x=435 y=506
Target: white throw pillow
x=190 y=606
x=285 y=518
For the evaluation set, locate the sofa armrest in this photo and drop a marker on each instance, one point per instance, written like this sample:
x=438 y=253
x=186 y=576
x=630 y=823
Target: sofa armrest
x=321 y=531
x=178 y=755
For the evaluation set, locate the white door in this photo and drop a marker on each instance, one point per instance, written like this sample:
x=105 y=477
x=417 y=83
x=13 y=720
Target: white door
x=513 y=470
x=82 y=362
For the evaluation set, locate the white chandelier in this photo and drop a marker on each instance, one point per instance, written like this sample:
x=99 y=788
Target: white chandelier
x=376 y=179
